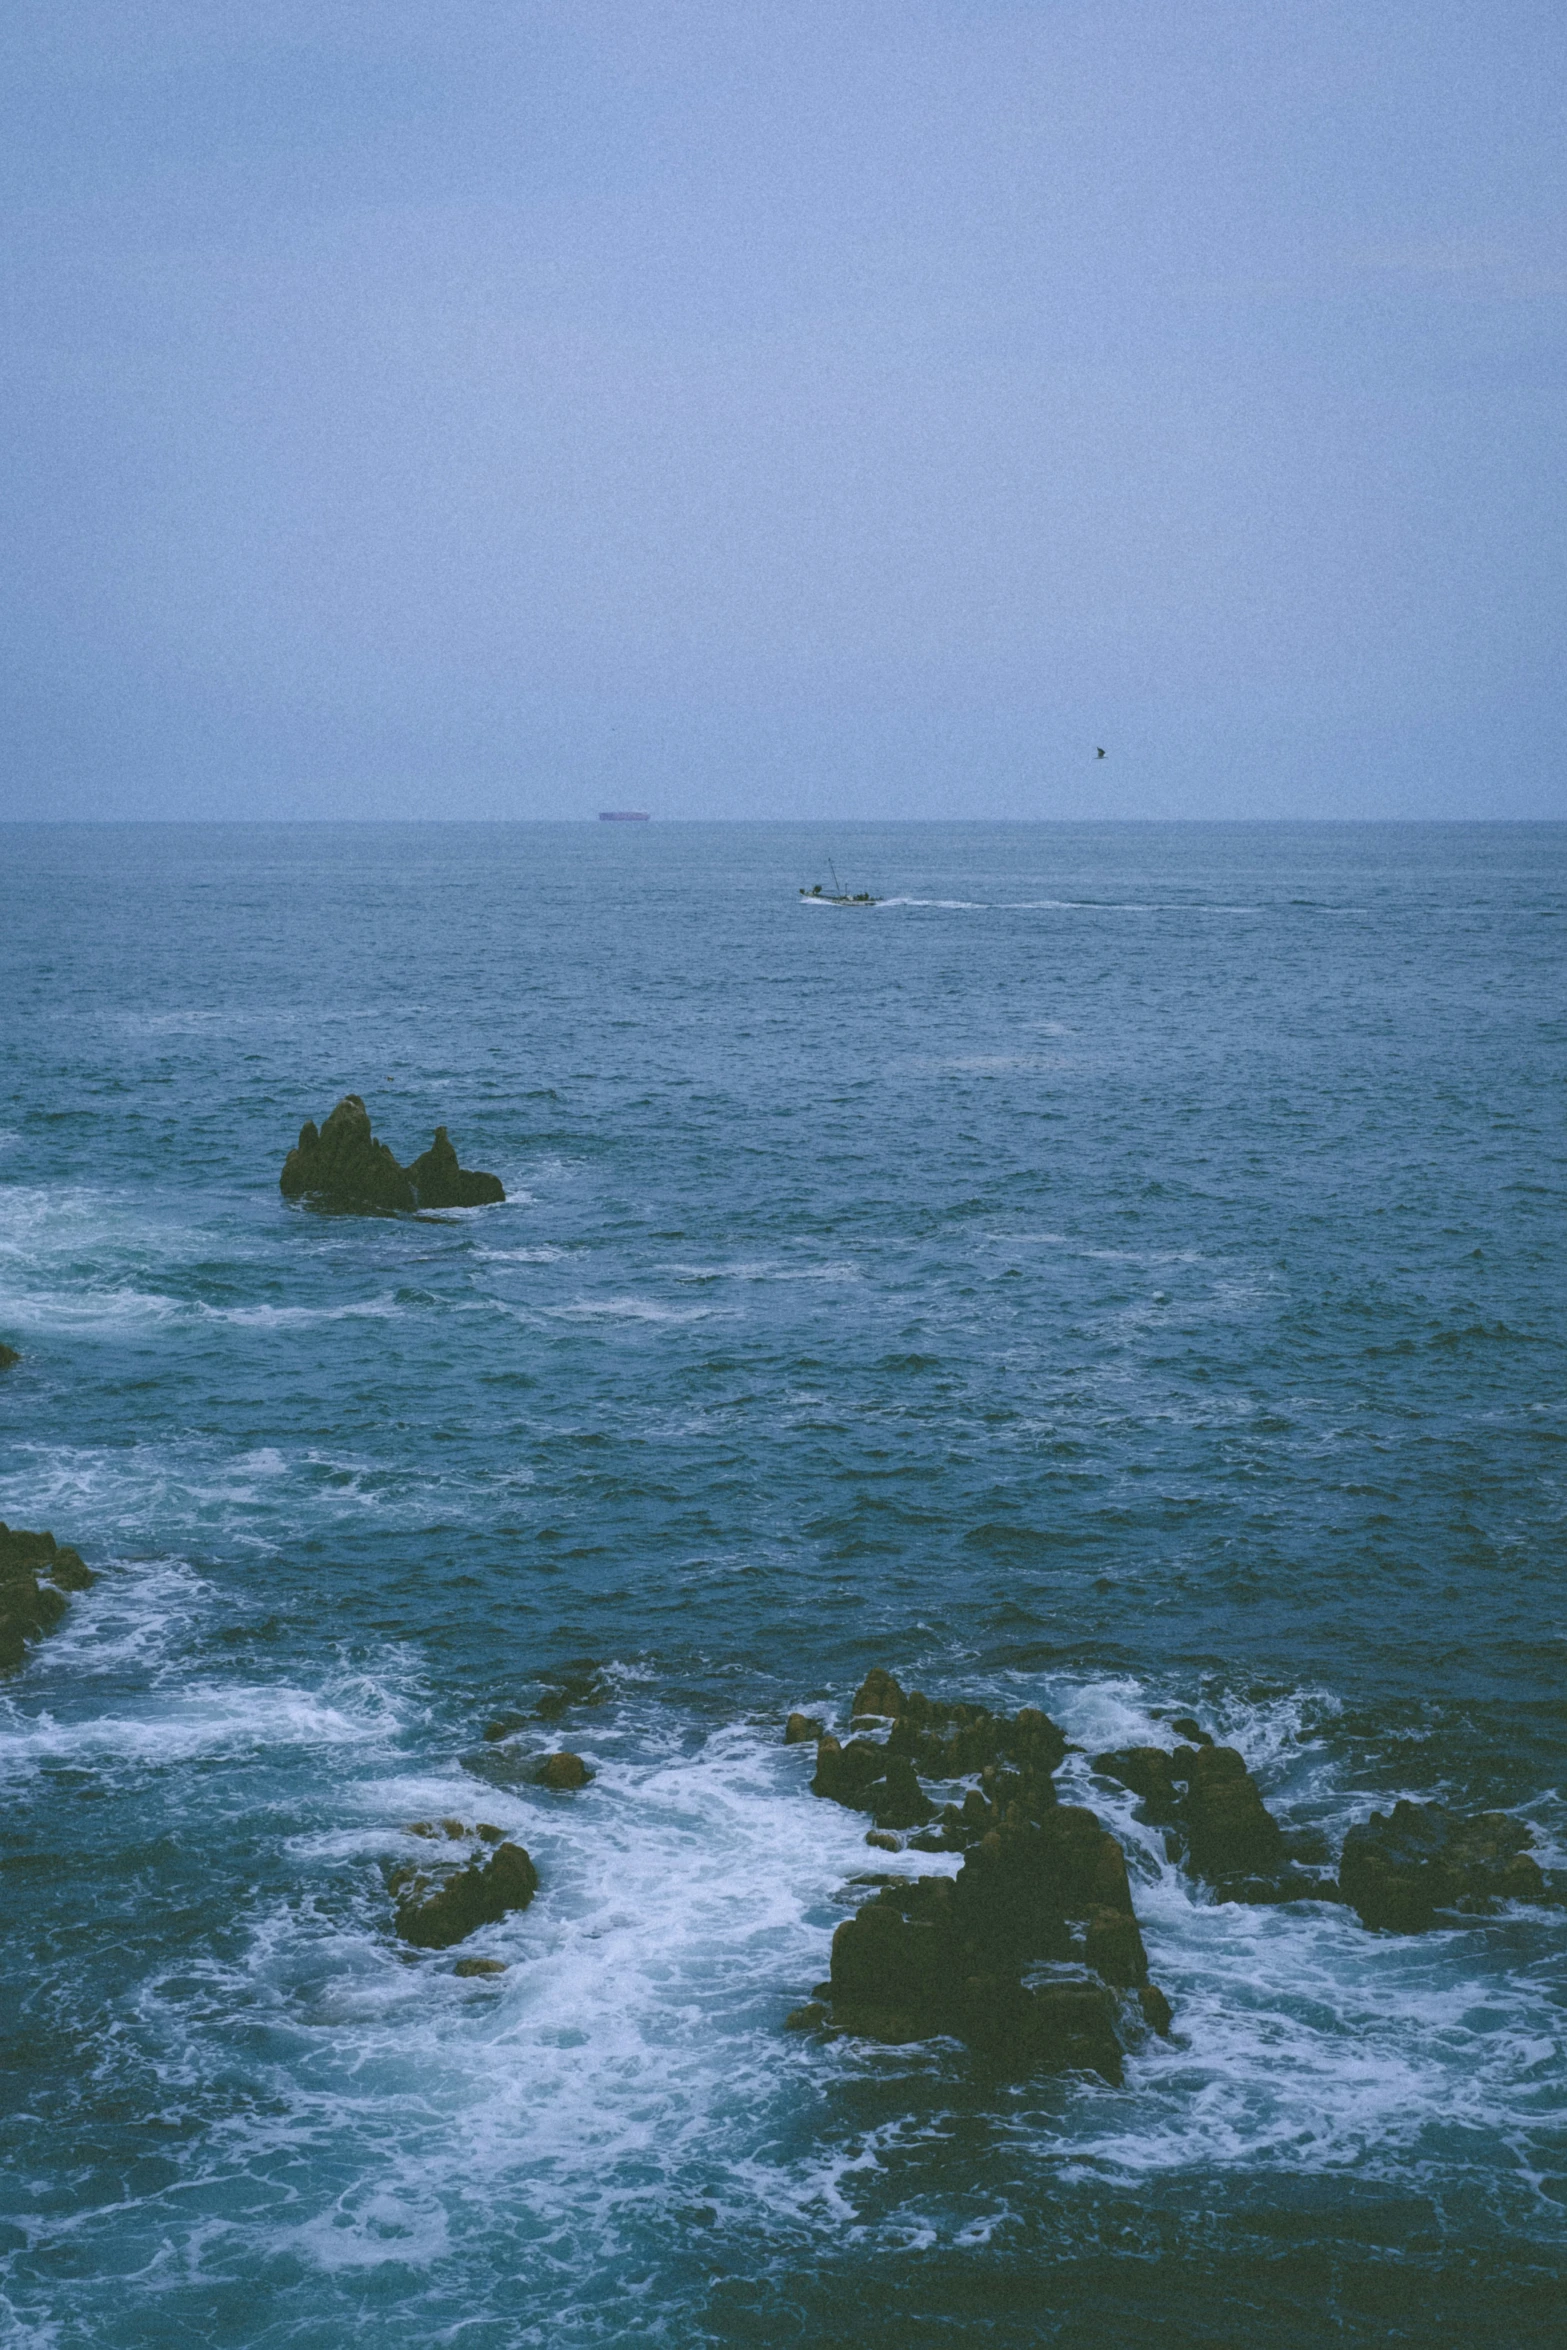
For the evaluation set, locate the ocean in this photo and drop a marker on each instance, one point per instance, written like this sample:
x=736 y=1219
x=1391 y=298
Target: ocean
x=1119 y=1272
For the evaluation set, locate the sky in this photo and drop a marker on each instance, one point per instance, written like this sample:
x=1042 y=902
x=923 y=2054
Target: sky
x=758 y=408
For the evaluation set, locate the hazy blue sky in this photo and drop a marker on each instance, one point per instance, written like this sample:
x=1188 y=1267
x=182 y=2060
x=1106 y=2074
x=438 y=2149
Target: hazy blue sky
x=756 y=407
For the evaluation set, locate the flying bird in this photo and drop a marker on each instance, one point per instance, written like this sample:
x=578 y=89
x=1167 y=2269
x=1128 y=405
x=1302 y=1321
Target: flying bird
x=1100 y=752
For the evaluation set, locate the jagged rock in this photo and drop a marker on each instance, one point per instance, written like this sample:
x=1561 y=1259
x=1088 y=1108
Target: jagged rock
x=8 y=1356
x=947 y=1954
x=1231 y=1832
x=907 y=1966
x=953 y=1741
x=1146 y=1771
x=432 y=1914
x=1193 y=1732
x=441 y=1183
x=35 y=1574
x=1054 y=2027
x=1114 y=1948
x=884 y=1840
x=865 y=1776
x=879 y=1694
x=343 y=1166
x=800 y=1729
x=480 y=1966
x=808 y=2018
x=564 y=1771
x=1401 y=1867
x=1157 y=2011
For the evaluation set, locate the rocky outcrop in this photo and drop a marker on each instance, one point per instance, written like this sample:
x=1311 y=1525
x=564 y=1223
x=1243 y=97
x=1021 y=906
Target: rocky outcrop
x=864 y=1776
x=563 y=1771
x=802 y=1729
x=1219 y=1825
x=440 y=1183
x=342 y=1166
x=911 y=1964
x=1401 y=1867
x=436 y=1908
x=879 y=1694
x=1042 y=1883
x=1231 y=1834
x=8 y=1356
x=36 y=1572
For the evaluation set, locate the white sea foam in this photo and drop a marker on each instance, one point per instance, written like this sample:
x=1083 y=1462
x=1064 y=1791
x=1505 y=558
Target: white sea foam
x=636 y=1309
x=524 y=1256
x=173 y=1727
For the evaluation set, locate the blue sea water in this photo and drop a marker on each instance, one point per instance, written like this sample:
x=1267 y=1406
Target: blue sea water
x=1120 y=1272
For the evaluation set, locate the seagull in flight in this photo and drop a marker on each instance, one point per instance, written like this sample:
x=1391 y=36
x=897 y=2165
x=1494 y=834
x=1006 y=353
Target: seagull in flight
x=1100 y=752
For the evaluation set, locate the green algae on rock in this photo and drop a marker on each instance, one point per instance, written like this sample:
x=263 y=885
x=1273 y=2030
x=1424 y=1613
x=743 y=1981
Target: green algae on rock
x=36 y=1572
x=434 y=1911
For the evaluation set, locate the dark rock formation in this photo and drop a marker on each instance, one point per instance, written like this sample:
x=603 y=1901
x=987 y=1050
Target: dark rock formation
x=1146 y=1771
x=1113 y=1947
x=434 y=1912
x=1157 y=2012
x=799 y=1729
x=879 y=1694
x=954 y=1741
x=1230 y=1831
x=865 y=1776
x=947 y=1955
x=343 y=1166
x=480 y=1966
x=8 y=1356
x=1221 y=1826
x=918 y=1960
x=563 y=1771
x=1401 y=1867
x=441 y=1183
x=36 y=1572
x=1193 y=1732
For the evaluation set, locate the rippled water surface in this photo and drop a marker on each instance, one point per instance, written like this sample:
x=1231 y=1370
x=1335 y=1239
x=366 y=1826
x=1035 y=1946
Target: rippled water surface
x=1121 y=1271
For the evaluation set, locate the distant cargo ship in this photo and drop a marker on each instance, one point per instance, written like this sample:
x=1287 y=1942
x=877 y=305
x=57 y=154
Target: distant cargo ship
x=624 y=816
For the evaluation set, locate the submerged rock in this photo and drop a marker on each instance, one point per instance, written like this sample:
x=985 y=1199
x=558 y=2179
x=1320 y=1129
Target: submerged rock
x=433 y=1913
x=36 y=1572
x=563 y=1771
x=1400 y=1867
x=8 y=1356
x=343 y=1166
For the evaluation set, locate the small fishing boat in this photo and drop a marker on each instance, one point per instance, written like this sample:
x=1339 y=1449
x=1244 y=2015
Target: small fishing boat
x=837 y=895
